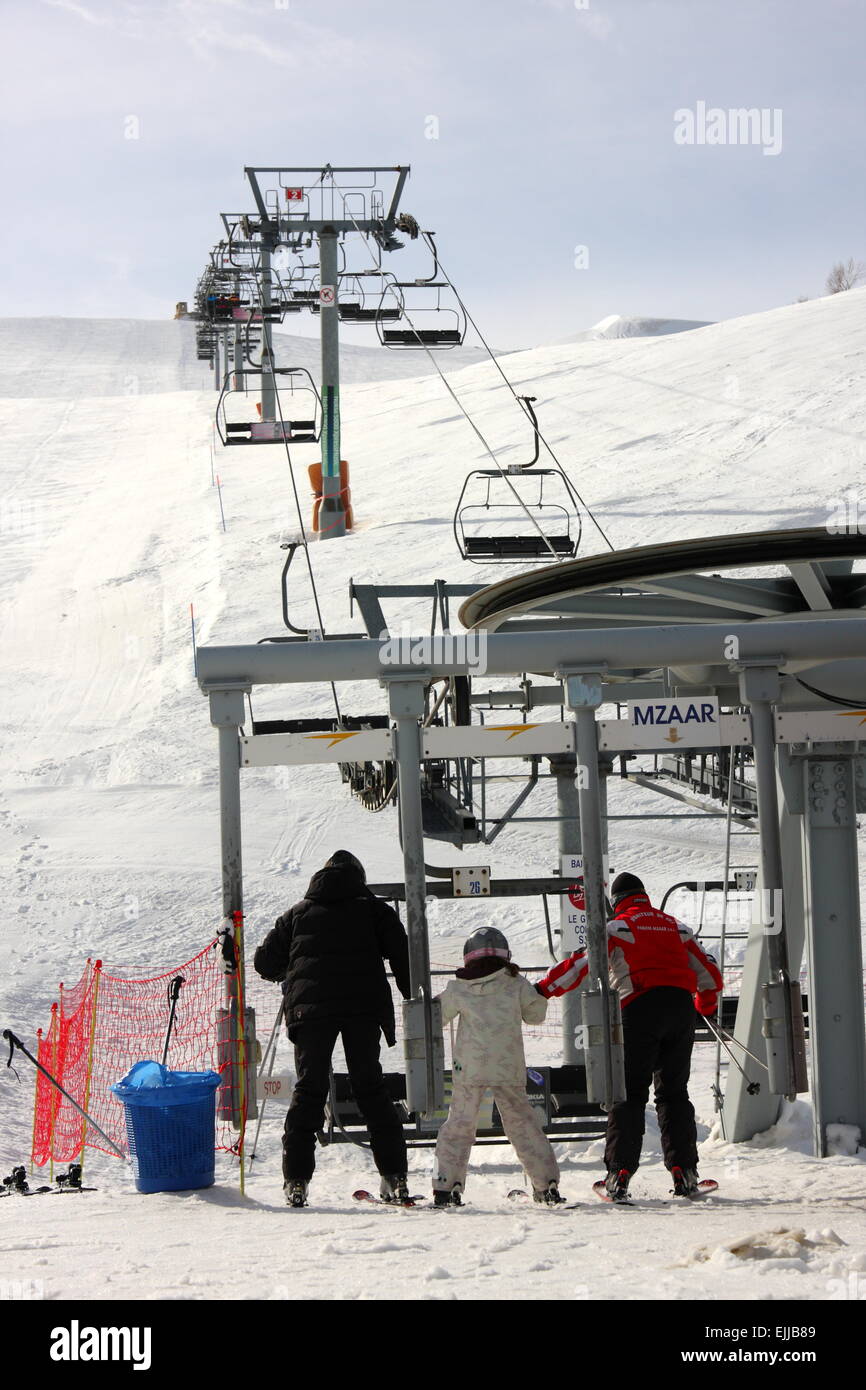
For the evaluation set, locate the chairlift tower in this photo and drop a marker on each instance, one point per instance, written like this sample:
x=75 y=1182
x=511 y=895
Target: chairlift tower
x=324 y=202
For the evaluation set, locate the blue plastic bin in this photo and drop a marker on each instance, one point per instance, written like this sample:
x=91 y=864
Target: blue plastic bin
x=170 y=1121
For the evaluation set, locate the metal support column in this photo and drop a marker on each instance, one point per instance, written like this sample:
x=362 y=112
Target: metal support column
x=422 y=1020
x=564 y=769
x=238 y=365
x=332 y=513
x=605 y=1073
x=783 y=1014
x=269 y=395
x=836 y=1016
x=217 y=379
x=227 y=715
x=750 y=1105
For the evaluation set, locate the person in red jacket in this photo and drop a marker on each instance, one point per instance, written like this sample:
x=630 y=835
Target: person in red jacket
x=661 y=976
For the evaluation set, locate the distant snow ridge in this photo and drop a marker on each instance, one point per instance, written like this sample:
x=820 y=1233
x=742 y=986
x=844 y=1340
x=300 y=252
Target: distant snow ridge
x=620 y=326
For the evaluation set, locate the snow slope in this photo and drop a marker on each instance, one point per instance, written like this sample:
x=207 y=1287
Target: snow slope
x=108 y=808
x=71 y=358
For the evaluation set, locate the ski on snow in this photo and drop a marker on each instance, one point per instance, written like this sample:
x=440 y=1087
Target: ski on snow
x=705 y=1187
x=361 y=1195
x=519 y=1194
x=16 y=1184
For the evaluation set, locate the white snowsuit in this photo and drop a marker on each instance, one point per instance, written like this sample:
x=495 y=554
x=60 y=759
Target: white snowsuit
x=488 y=1053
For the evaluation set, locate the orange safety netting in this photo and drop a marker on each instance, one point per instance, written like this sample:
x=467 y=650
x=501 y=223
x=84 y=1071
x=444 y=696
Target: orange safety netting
x=103 y=1025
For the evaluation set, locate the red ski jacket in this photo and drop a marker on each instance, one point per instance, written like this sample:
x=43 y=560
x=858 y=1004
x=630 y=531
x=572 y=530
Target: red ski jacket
x=645 y=948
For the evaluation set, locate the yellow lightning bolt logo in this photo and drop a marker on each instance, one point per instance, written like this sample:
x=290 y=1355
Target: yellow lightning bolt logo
x=511 y=729
x=334 y=737
x=855 y=714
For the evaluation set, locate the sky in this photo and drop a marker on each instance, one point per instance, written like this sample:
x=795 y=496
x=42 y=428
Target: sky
x=556 y=146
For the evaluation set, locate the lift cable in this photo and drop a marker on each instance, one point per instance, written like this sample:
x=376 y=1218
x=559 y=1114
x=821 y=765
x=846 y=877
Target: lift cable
x=459 y=403
x=497 y=364
x=304 y=541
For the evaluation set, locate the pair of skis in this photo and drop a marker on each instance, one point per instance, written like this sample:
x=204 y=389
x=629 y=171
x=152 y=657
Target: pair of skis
x=362 y=1195
x=704 y=1188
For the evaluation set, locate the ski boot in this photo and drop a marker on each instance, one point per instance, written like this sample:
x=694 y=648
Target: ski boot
x=70 y=1181
x=685 y=1182
x=549 y=1196
x=616 y=1184
x=296 y=1192
x=442 y=1197
x=394 y=1187
x=17 y=1181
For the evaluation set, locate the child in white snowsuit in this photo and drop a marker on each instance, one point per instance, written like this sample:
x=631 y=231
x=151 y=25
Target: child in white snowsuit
x=492 y=1000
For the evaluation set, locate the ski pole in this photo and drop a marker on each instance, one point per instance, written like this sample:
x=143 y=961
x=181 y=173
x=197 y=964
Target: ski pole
x=737 y=1043
x=269 y=1057
x=173 y=993
x=9 y=1036
x=753 y=1087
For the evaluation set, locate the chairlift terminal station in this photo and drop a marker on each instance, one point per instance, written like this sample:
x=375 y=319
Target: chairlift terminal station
x=738 y=663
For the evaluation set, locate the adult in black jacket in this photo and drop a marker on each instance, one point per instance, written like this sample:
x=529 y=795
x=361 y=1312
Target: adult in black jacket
x=329 y=952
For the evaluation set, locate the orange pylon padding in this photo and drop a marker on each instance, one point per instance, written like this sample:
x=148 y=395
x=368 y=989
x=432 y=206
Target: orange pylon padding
x=315 y=472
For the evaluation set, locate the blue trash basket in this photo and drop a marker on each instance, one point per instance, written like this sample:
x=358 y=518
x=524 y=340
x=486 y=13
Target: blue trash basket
x=170 y=1122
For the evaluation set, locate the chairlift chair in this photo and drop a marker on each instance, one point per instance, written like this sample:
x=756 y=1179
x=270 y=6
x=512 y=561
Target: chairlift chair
x=294 y=390
x=434 y=324
x=436 y=318
x=503 y=521
x=363 y=303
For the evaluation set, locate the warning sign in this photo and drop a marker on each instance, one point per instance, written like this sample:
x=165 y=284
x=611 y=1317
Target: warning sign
x=572 y=911
x=294 y=195
x=327 y=295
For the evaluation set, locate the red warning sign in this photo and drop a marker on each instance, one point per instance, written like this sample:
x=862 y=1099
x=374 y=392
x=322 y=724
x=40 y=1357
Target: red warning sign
x=294 y=195
x=576 y=896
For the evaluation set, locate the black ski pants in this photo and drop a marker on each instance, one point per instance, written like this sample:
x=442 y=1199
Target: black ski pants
x=658 y=1034
x=314 y=1043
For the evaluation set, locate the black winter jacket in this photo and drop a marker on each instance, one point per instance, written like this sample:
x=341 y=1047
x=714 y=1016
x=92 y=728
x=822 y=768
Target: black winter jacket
x=329 y=949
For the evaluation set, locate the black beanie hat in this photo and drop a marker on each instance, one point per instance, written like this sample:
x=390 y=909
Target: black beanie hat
x=623 y=886
x=344 y=859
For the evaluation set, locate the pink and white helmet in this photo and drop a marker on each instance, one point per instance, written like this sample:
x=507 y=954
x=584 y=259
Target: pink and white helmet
x=487 y=941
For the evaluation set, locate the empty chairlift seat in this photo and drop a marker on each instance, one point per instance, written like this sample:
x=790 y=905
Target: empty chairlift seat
x=292 y=403
x=528 y=547
x=271 y=431
x=421 y=337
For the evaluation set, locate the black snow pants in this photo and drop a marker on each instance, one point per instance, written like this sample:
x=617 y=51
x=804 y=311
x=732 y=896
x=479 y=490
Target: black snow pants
x=658 y=1033
x=314 y=1043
